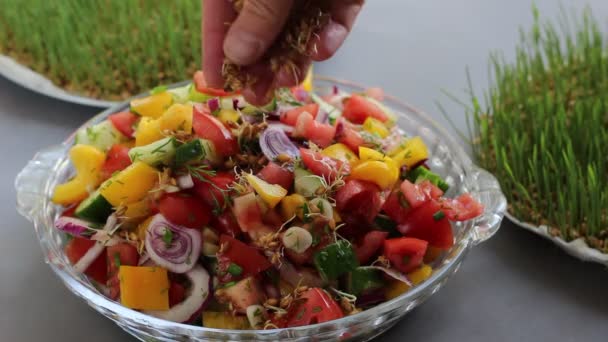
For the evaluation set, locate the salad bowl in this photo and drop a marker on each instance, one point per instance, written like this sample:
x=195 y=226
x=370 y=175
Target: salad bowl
x=51 y=166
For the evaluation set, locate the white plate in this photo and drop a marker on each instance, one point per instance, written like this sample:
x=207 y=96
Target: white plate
x=577 y=248
x=35 y=82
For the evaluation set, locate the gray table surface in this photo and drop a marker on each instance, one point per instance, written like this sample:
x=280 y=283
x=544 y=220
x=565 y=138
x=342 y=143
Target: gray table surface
x=515 y=287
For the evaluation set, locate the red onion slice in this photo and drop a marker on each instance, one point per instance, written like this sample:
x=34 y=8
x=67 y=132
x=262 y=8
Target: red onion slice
x=297 y=277
x=194 y=303
x=285 y=128
x=178 y=256
x=274 y=141
x=75 y=226
x=214 y=104
x=391 y=273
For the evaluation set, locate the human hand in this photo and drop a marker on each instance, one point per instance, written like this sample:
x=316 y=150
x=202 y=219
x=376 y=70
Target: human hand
x=252 y=33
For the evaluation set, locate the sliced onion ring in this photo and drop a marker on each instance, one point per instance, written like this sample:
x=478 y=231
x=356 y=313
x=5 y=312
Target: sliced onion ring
x=274 y=142
x=391 y=273
x=75 y=226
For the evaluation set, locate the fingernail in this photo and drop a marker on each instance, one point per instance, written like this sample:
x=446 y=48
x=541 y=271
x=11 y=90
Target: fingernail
x=242 y=48
x=335 y=36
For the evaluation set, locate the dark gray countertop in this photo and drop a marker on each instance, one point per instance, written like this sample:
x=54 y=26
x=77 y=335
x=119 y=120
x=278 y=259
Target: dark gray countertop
x=515 y=287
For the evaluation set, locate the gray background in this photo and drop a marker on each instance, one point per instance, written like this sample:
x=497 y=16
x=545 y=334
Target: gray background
x=516 y=287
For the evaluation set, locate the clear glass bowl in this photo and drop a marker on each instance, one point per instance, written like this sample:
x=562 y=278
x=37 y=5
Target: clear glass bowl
x=51 y=166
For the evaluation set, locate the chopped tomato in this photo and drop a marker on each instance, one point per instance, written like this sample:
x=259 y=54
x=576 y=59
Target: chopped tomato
x=208 y=127
x=428 y=222
x=117 y=160
x=71 y=211
x=396 y=207
x=405 y=254
x=290 y=117
x=372 y=242
x=359 y=201
x=348 y=136
x=250 y=259
x=225 y=223
x=418 y=194
x=248 y=213
x=201 y=86
x=357 y=108
x=213 y=189
x=299 y=258
x=317 y=307
x=273 y=173
x=124 y=122
x=122 y=254
x=76 y=248
x=323 y=166
x=320 y=134
x=177 y=293
x=462 y=208
x=185 y=210
x=273 y=218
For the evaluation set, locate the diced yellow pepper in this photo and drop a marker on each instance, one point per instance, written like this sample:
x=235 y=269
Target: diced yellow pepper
x=413 y=152
x=382 y=173
x=366 y=153
x=177 y=118
x=375 y=126
x=272 y=194
x=129 y=185
x=148 y=131
x=228 y=115
x=138 y=209
x=341 y=152
x=224 y=320
x=307 y=84
x=144 y=288
x=87 y=161
x=293 y=205
x=142 y=228
x=153 y=106
x=337 y=217
x=397 y=288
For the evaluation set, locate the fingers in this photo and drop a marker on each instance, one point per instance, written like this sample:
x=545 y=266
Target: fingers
x=216 y=15
x=343 y=15
x=261 y=92
x=255 y=29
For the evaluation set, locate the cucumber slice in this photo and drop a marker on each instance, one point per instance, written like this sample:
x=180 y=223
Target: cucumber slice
x=362 y=280
x=102 y=136
x=196 y=150
x=94 y=208
x=156 y=153
x=180 y=94
x=196 y=96
x=306 y=183
x=253 y=110
x=334 y=113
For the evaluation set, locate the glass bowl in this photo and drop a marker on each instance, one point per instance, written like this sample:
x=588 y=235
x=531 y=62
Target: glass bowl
x=51 y=166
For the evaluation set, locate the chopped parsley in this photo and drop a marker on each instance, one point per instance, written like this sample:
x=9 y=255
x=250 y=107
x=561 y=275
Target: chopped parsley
x=235 y=269
x=158 y=89
x=438 y=216
x=168 y=237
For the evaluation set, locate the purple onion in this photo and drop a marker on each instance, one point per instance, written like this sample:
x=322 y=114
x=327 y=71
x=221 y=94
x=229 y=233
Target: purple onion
x=334 y=90
x=322 y=116
x=339 y=129
x=178 y=255
x=214 y=104
x=297 y=277
x=301 y=95
x=75 y=226
x=274 y=142
x=391 y=273
x=285 y=128
x=235 y=104
x=252 y=119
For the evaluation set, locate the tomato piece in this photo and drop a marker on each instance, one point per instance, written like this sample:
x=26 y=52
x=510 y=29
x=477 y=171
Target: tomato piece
x=317 y=307
x=323 y=166
x=185 y=210
x=427 y=223
x=250 y=259
x=359 y=201
x=396 y=207
x=372 y=242
x=348 y=136
x=273 y=173
x=418 y=194
x=225 y=223
x=71 y=211
x=117 y=160
x=177 y=293
x=76 y=248
x=320 y=134
x=248 y=214
x=213 y=189
x=405 y=254
x=290 y=117
x=357 y=108
x=124 y=122
x=462 y=208
x=201 y=86
x=208 y=127
x=122 y=254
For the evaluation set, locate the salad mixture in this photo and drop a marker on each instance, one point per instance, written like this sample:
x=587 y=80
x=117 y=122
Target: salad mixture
x=194 y=206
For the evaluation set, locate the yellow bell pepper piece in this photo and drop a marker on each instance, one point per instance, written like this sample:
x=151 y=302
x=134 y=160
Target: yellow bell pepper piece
x=293 y=205
x=177 y=118
x=307 y=84
x=376 y=167
x=366 y=153
x=148 y=131
x=138 y=209
x=413 y=152
x=337 y=217
x=341 y=152
x=142 y=228
x=129 y=185
x=144 y=288
x=224 y=320
x=87 y=161
x=375 y=126
x=397 y=288
x=272 y=194
x=153 y=106
x=228 y=115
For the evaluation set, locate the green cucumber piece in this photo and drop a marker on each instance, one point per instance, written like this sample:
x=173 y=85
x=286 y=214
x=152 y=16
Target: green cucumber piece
x=94 y=208
x=196 y=150
x=180 y=94
x=422 y=173
x=335 y=260
x=156 y=153
x=334 y=113
x=306 y=183
x=253 y=110
x=196 y=96
x=102 y=136
x=362 y=280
